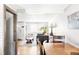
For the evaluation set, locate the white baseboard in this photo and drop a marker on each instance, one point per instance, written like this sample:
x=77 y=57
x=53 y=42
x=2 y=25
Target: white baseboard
x=73 y=44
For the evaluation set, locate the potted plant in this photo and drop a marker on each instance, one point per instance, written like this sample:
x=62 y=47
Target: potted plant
x=44 y=29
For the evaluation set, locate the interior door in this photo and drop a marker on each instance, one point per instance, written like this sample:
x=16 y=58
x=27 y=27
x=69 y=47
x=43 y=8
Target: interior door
x=10 y=42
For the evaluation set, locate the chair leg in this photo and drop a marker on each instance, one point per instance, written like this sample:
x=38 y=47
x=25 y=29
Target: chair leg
x=41 y=52
x=44 y=52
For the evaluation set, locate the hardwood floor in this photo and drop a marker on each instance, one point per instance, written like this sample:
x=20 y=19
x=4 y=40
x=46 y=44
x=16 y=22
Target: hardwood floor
x=54 y=49
x=50 y=49
x=28 y=49
x=69 y=49
x=59 y=49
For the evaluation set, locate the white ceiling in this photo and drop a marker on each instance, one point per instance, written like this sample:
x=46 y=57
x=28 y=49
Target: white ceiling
x=38 y=12
x=40 y=8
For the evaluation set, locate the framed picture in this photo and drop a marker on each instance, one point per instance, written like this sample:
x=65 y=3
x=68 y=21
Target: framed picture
x=73 y=20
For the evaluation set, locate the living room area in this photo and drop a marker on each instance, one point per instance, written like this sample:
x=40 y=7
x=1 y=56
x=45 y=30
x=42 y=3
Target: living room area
x=45 y=29
x=50 y=27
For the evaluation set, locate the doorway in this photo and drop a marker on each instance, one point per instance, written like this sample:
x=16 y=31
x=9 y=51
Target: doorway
x=10 y=41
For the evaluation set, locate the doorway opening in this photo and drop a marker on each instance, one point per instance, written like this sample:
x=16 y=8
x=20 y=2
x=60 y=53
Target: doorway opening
x=10 y=41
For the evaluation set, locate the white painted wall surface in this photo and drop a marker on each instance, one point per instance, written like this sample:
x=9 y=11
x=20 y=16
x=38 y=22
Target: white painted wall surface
x=1 y=30
x=73 y=34
x=20 y=31
x=61 y=28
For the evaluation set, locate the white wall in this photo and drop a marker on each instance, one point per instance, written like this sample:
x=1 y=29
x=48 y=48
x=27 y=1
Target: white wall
x=60 y=20
x=73 y=34
x=61 y=28
x=1 y=30
x=34 y=27
x=20 y=31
